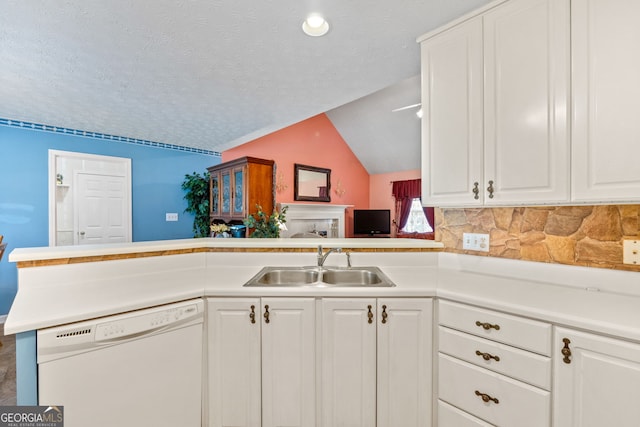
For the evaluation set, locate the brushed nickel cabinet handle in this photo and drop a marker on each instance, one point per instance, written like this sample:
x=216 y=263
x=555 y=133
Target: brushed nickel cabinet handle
x=384 y=314
x=487 y=356
x=266 y=314
x=486 y=398
x=369 y=315
x=566 y=351
x=490 y=189
x=252 y=315
x=476 y=190
x=486 y=326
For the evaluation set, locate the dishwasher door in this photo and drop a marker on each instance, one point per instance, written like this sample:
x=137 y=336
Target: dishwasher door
x=136 y=369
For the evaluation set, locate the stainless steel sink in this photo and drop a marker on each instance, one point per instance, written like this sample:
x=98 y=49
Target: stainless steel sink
x=321 y=277
x=352 y=277
x=285 y=276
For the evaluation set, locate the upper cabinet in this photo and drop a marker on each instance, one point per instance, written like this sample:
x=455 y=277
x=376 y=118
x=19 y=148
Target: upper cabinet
x=606 y=100
x=237 y=186
x=495 y=93
x=533 y=102
x=452 y=116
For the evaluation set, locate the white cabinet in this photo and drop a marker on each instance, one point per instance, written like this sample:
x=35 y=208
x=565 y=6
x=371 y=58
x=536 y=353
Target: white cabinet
x=390 y=389
x=261 y=362
x=492 y=368
x=452 y=141
x=504 y=140
x=606 y=100
x=526 y=152
x=596 y=380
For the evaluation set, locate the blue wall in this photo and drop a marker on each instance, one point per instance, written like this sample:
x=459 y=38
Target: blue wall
x=157 y=175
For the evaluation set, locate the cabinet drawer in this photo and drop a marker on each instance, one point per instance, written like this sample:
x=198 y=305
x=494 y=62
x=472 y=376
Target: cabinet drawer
x=450 y=416
x=515 y=331
x=519 y=404
x=519 y=364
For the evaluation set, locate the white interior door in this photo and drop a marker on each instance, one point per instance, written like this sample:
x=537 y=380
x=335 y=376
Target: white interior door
x=101 y=209
x=89 y=198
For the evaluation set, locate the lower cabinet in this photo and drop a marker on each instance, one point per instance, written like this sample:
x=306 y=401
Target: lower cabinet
x=262 y=362
x=372 y=358
x=493 y=368
x=376 y=362
x=596 y=380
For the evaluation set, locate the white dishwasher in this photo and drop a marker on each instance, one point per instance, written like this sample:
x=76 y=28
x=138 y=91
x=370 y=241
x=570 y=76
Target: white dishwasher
x=142 y=368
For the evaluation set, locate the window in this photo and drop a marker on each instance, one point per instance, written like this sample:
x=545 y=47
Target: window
x=417 y=221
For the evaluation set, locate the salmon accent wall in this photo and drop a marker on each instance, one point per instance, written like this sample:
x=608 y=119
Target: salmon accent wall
x=312 y=142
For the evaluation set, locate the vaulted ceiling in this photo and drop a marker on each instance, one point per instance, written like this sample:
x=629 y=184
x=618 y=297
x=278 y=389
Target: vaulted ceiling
x=218 y=73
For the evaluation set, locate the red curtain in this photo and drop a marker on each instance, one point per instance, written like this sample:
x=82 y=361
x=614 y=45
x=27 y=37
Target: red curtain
x=404 y=192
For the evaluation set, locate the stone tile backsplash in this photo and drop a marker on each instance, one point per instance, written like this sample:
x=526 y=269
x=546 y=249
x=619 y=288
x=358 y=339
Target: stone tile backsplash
x=576 y=235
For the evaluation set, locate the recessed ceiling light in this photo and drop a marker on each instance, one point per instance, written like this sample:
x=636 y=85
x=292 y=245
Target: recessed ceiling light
x=315 y=25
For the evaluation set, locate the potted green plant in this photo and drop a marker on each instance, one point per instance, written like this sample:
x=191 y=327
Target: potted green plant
x=264 y=225
x=196 y=189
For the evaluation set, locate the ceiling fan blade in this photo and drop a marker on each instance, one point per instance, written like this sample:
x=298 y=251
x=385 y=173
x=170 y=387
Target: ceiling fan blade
x=407 y=107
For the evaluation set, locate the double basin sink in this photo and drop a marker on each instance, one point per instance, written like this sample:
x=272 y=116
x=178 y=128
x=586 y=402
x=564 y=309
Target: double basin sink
x=321 y=277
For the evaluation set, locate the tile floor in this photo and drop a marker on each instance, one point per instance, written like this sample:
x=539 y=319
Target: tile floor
x=7 y=369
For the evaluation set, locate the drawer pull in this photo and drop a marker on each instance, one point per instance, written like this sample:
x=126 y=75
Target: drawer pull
x=384 y=314
x=369 y=315
x=486 y=326
x=486 y=398
x=487 y=356
x=566 y=351
x=252 y=315
x=266 y=314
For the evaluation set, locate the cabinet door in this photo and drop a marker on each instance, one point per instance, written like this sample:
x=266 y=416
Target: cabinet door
x=599 y=387
x=238 y=208
x=526 y=98
x=404 y=362
x=214 y=194
x=234 y=362
x=349 y=362
x=288 y=362
x=606 y=100
x=226 y=190
x=452 y=116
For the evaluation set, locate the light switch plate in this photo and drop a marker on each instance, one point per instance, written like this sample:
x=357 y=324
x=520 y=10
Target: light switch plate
x=475 y=242
x=631 y=251
x=171 y=217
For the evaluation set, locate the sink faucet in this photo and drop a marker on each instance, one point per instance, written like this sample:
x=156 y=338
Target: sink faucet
x=323 y=256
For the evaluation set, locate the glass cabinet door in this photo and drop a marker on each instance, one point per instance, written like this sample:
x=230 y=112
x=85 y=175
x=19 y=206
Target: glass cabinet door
x=226 y=192
x=238 y=192
x=214 y=201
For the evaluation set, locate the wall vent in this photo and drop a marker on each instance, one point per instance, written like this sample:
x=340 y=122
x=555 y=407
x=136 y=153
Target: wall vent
x=75 y=333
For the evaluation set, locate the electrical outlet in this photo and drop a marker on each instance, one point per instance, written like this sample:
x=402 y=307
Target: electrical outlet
x=171 y=217
x=631 y=251
x=475 y=242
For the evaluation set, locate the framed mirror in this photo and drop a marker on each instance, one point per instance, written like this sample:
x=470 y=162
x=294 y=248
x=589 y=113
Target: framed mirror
x=311 y=184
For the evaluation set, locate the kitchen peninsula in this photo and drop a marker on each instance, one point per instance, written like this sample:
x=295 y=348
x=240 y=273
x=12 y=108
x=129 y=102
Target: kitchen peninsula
x=537 y=307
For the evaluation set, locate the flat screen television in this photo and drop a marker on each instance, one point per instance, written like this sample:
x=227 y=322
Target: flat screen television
x=372 y=222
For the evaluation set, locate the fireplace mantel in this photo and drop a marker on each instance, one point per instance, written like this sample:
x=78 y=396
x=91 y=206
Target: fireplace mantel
x=315 y=217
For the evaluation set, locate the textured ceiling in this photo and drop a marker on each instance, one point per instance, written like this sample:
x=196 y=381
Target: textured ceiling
x=214 y=74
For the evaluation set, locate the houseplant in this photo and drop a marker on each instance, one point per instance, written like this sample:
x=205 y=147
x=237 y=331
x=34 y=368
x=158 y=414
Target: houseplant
x=264 y=225
x=196 y=189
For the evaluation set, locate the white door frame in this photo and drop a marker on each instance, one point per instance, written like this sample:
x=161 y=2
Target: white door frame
x=54 y=155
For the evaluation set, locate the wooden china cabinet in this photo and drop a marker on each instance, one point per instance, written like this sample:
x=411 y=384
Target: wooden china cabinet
x=237 y=186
